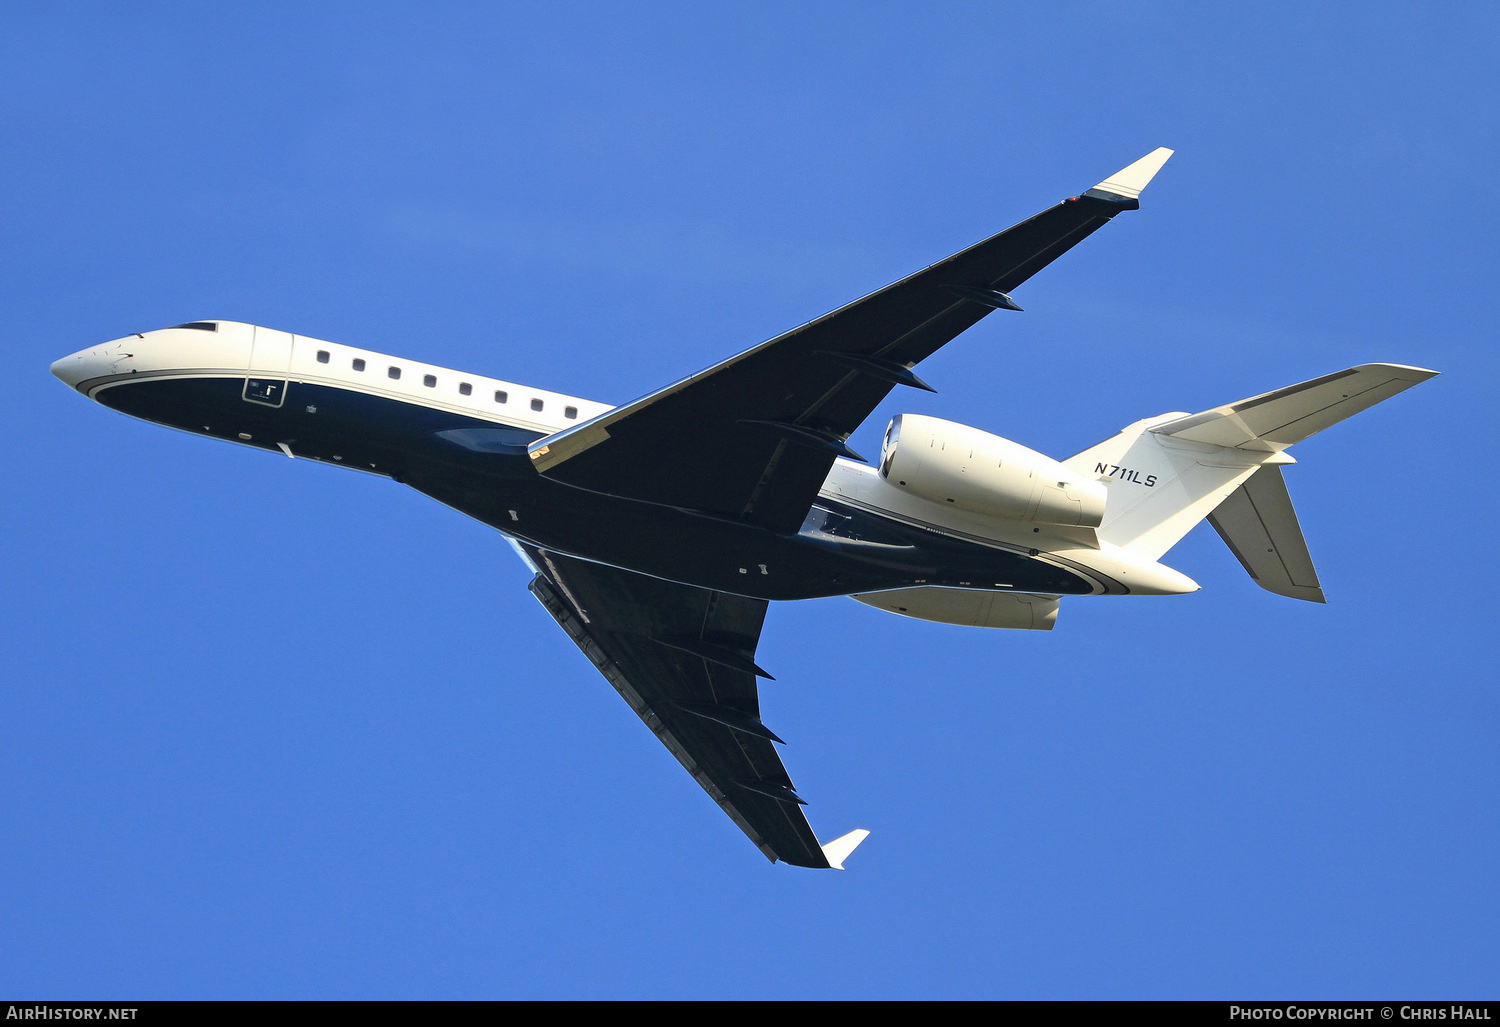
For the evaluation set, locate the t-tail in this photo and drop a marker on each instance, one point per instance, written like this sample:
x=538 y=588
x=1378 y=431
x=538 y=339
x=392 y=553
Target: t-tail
x=1165 y=474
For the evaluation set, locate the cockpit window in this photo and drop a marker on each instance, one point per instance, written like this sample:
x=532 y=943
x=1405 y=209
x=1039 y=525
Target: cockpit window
x=202 y=326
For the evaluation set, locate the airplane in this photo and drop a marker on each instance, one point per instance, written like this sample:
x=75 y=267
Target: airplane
x=659 y=531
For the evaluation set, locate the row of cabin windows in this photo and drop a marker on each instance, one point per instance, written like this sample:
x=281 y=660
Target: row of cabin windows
x=430 y=380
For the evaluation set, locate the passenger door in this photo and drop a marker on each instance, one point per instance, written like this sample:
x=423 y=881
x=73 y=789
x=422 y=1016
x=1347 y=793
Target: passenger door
x=270 y=357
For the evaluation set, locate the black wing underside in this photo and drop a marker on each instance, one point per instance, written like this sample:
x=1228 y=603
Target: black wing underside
x=683 y=658
x=754 y=437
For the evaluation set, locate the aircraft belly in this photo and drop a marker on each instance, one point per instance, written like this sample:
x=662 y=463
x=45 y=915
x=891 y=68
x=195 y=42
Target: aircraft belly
x=718 y=554
x=841 y=550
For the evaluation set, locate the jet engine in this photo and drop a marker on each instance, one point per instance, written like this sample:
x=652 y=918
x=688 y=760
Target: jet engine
x=956 y=465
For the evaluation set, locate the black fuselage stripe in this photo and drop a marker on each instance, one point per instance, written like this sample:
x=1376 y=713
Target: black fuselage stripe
x=841 y=549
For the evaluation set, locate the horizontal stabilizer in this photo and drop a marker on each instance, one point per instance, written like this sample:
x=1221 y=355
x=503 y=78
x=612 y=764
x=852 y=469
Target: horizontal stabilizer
x=1260 y=527
x=1279 y=419
x=838 y=850
x=1165 y=474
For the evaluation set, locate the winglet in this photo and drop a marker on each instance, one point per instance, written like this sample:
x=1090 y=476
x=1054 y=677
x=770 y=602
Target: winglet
x=838 y=850
x=1128 y=182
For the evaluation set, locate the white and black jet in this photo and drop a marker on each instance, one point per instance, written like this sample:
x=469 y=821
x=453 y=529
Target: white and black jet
x=660 y=530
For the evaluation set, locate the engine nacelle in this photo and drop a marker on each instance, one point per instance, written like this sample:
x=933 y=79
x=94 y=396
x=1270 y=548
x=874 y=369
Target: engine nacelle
x=956 y=465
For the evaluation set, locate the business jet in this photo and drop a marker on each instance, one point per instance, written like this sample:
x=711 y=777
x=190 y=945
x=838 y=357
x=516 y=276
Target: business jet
x=659 y=531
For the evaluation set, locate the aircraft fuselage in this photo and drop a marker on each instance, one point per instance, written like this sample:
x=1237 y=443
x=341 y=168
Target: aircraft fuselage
x=461 y=439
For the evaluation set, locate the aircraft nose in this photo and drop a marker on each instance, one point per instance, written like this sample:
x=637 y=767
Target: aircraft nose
x=81 y=366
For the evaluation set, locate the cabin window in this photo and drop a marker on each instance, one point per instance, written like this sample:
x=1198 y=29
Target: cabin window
x=500 y=397
x=570 y=412
x=429 y=380
x=393 y=372
x=536 y=404
x=322 y=356
x=359 y=363
x=464 y=388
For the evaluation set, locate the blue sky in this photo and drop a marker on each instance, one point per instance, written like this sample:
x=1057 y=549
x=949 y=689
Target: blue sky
x=276 y=730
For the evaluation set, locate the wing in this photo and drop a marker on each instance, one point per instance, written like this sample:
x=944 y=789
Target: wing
x=684 y=659
x=753 y=437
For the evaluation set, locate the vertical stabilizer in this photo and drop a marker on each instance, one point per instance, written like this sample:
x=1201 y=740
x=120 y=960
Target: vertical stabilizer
x=1167 y=473
x=1160 y=487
